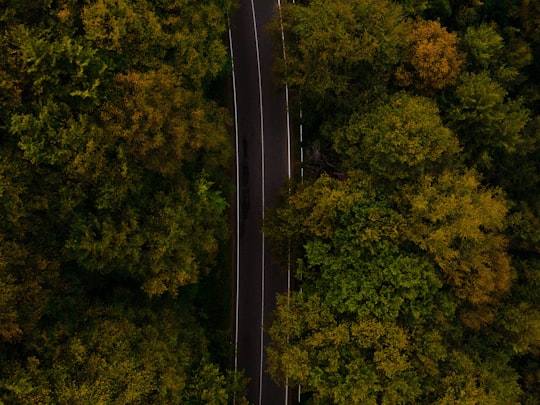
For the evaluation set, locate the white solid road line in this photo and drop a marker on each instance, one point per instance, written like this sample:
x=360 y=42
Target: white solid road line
x=261 y=360
x=289 y=174
x=236 y=147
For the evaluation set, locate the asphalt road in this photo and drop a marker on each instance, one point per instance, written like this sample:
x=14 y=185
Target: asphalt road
x=263 y=167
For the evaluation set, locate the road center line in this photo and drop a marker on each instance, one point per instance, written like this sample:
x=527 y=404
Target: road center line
x=237 y=303
x=289 y=174
x=263 y=200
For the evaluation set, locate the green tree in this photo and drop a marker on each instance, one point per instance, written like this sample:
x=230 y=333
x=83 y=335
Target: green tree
x=394 y=288
x=111 y=178
x=475 y=380
x=483 y=45
x=119 y=353
x=366 y=361
x=487 y=50
x=399 y=140
x=143 y=34
x=351 y=242
x=162 y=137
x=337 y=50
x=417 y=252
x=361 y=361
x=486 y=120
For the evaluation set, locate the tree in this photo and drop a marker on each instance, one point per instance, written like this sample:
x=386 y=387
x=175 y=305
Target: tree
x=518 y=326
x=316 y=210
x=160 y=136
x=27 y=266
x=486 y=120
x=434 y=59
x=337 y=50
x=147 y=35
x=351 y=251
x=164 y=126
x=487 y=50
x=398 y=292
x=362 y=361
x=155 y=215
x=111 y=177
x=341 y=337
x=131 y=30
x=483 y=45
x=366 y=361
x=416 y=251
x=475 y=380
x=399 y=140
x=460 y=225
x=119 y=354
x=414 y=7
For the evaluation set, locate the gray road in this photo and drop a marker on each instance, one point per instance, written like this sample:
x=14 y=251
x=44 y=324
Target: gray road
x=263 y=167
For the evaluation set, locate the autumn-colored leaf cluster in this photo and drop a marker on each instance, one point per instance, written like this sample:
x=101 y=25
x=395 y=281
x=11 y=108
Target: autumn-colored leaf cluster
x=414 y=233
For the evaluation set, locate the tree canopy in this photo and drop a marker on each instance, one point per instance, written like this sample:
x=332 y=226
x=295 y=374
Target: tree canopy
x=113 y=203
x=414 y=239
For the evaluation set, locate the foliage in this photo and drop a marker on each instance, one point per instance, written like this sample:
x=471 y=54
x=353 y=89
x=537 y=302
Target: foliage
x=118 y=354
x=434 y=59
x=402 y=138
x=486 y=121
x=416 y=243
x=111 y=192
x=338 y=49
x=367 y=361
x=144 y=34
x=460 y=225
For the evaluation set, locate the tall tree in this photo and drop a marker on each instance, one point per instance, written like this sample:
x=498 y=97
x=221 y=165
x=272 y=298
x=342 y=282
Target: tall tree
x=433 y=58
x=488 y=122
x=399 y=140
x=111 y=178
x=120 y=353
x=339 y=49
x=143 y=34
x=460 y=225
x=417 y=250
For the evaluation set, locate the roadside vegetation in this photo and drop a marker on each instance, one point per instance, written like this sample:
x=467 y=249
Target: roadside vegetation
x=113 y=209
x=415 y=233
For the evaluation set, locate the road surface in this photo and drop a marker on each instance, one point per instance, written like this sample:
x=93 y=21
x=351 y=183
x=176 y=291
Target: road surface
x=263 y=166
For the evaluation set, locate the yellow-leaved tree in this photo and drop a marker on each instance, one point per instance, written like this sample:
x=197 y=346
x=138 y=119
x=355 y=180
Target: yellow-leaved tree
x=434 y=61
x=461 y=224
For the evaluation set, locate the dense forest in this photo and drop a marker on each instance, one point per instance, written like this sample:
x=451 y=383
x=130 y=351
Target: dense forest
x=114 y=153
x=415 y=232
